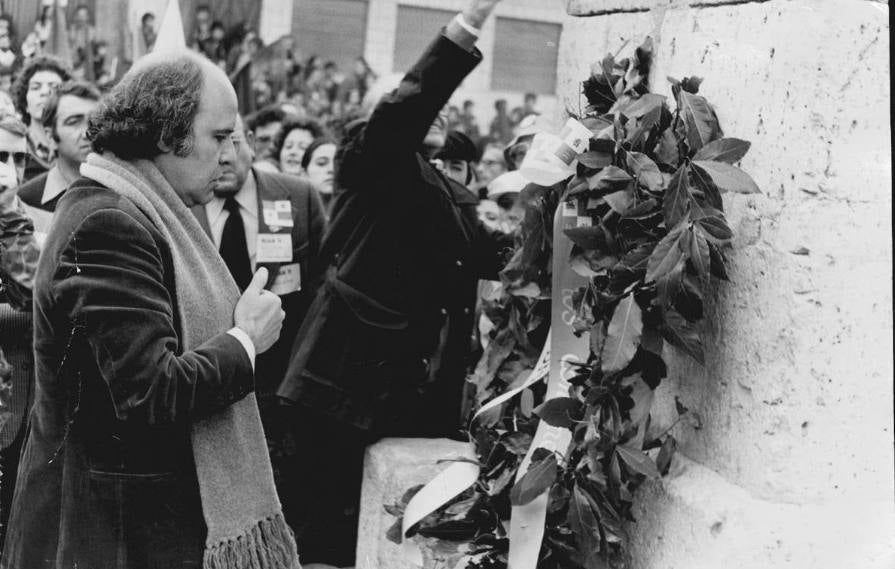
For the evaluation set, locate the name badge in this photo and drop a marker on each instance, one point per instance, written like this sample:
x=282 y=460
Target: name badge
x=273 y=248
x=277 y=214
x=288 y=279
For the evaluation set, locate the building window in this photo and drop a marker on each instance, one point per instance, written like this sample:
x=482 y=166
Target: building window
x=416 y=29
x=334 y=30
x=525 y=55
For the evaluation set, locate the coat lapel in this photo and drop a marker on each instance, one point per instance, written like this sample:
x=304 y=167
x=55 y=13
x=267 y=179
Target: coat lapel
x=266 y=192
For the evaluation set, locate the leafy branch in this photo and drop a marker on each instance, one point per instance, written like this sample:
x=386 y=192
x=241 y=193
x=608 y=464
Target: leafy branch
x=652 y=182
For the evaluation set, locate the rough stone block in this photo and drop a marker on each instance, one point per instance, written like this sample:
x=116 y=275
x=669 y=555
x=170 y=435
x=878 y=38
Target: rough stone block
x=391 y=467
x=796 y=393
x=694 y=519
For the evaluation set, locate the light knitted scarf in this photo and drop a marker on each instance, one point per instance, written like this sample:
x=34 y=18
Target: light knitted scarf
x=246 y=528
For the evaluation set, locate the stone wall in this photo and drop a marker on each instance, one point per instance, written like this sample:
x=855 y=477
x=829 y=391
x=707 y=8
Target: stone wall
x=793 y=463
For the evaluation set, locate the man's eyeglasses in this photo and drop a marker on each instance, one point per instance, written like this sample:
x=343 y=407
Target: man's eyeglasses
x=18 y=158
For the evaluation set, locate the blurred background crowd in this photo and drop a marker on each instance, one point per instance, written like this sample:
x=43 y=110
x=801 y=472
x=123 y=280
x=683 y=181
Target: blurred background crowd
x=291 y=99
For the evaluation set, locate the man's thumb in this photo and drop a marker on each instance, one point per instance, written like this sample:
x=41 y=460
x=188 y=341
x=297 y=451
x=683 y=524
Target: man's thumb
x=258 y=281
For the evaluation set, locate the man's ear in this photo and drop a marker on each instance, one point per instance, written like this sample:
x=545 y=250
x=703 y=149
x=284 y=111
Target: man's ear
x=163 y=146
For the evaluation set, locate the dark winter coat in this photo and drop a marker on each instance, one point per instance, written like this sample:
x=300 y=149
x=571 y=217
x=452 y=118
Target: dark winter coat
x=107 y=477
x=406 y=252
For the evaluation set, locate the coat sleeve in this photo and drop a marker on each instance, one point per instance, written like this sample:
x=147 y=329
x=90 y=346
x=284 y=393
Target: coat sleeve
x=110 y=283
x=400 y=121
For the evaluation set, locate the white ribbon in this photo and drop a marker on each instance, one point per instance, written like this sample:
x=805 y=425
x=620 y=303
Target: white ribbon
x=461 y=475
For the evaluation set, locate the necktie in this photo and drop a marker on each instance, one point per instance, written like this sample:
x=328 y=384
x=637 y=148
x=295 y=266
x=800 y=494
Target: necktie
x=233 y=246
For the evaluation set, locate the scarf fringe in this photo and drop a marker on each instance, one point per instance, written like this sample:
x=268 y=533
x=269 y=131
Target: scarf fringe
x=269 y=544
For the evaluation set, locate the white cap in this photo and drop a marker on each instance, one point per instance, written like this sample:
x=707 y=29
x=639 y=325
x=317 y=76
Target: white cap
x=509 y=182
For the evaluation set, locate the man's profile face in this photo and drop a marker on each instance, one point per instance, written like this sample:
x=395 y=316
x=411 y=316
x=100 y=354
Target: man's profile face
x=235 y=170
x=13 y=150
x=193 y=176
x=264 y=137
x=71 y=127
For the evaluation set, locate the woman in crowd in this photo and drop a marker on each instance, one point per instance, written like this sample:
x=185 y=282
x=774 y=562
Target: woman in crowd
x=293 y=140
x=317 y=166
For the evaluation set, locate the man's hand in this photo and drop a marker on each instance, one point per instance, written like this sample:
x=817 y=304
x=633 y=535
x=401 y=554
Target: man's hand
x=259 y=313
x=478 y=11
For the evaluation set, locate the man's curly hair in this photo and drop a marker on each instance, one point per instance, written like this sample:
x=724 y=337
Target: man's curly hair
x=155 y=103
x=19 y=89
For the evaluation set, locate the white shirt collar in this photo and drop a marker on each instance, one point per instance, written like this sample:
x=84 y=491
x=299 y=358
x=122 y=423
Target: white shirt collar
x=54 y=186
x=246 y=197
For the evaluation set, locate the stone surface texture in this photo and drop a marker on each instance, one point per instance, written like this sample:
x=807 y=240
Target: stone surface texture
x=391 y=467
x=793 y=463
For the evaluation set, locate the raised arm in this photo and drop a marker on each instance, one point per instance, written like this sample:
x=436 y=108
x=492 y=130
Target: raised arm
x=401 y=118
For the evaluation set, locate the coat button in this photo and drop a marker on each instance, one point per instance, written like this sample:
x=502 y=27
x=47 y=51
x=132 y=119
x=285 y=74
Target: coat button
x=444 y=311
x=459 y=263
x=466 y=311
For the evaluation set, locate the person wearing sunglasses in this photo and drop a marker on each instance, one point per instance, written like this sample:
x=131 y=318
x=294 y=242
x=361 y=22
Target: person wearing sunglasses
x=18 y=260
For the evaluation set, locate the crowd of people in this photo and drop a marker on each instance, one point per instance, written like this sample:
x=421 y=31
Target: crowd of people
x=195 y=267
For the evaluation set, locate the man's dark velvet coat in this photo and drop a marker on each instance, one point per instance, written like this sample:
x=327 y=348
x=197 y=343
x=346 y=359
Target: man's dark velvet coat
x=107 y=476
x=406 y=251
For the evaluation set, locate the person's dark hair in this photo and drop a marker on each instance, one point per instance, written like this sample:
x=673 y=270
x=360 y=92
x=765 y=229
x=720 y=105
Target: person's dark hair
x=468 y=103
x=146 y=17
x=265 y=116
x=19 y=90
x=309 y=125
x=217 y=25
x=80 y=89
x=203 y=8
x=531 y=97
x=309 y=152
x=330 y=65
x=457 y=146
x=154 y=103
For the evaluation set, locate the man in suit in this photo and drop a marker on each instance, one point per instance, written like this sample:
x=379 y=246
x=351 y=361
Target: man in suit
x=128 y=362
x=405 y=251
x=65 y=120
x=266 y=219
x=280 y=226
